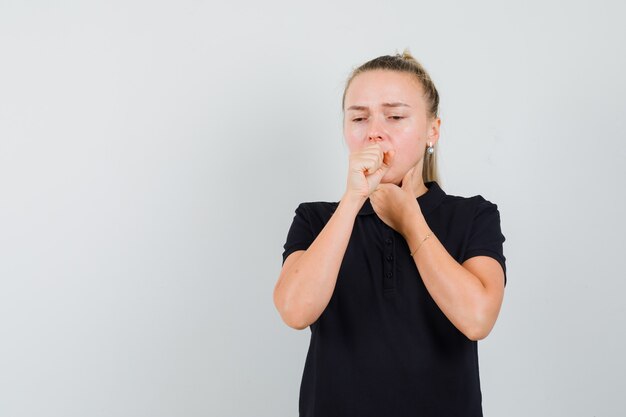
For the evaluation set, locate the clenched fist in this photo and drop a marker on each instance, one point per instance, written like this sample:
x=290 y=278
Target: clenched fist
x=367 y=168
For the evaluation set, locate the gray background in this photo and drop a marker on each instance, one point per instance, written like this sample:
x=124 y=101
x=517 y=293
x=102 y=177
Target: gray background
x=152 y=155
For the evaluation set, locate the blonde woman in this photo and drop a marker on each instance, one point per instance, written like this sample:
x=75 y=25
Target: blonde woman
x=398 y=280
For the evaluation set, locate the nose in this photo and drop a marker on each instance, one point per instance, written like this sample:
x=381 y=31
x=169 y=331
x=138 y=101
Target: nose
x=375 y=131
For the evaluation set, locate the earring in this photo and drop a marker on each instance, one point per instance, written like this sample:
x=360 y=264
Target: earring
x=430 y=148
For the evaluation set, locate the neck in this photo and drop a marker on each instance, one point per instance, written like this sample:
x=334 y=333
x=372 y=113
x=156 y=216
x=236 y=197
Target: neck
x=419 y=189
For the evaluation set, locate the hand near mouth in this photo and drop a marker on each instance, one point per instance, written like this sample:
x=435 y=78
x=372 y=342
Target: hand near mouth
x=396 y=205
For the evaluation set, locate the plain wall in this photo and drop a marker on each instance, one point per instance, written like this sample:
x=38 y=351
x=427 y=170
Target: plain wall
x=152 y=155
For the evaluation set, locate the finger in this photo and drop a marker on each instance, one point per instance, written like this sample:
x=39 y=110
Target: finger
x=368 y=163
x=379 y=149
x=387 y=160
x=377 y=176
x=407 y=181
x=381 y=155
x=377 y=160
x=388 y=157
x=385 y=146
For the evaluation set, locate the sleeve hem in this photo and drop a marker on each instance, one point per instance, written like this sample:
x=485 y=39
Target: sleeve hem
x=491 y=254
x=292 y=249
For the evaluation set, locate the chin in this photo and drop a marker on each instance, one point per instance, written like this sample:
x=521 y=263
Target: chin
x=385 y=180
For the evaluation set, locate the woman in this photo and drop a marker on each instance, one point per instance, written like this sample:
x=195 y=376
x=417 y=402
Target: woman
x=398 y=280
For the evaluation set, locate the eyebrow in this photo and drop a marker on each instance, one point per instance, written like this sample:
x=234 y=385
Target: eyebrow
x=396 y=104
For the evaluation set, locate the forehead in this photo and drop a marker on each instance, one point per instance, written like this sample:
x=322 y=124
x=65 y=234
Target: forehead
x=371 y=88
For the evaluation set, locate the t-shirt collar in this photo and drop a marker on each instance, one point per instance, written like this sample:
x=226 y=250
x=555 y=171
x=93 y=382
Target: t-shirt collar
x=427 y=201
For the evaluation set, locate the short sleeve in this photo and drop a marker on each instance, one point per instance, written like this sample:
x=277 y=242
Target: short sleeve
x=300 y=235
x=485 y=236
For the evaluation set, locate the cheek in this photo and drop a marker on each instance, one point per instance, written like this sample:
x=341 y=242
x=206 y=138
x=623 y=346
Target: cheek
x=407 y=153
x=409 y=131
x=352 y=144
x=353 y=138
x=411 y=140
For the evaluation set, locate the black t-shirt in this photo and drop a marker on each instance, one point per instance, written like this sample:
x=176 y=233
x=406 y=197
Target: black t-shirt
x=382 y=347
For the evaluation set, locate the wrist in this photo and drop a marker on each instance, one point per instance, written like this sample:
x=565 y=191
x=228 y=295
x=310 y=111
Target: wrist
x=351 y=202
x=412 y=219
x=353 y=198
x=416 y=231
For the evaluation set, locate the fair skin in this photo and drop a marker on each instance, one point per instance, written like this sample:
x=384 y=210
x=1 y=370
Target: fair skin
x=387 y=128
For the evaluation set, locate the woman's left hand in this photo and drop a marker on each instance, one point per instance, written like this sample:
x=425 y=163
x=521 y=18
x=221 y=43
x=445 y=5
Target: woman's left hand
x=396 y=206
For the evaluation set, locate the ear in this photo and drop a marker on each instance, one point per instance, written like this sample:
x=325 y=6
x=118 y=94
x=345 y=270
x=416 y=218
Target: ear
x=433 y=130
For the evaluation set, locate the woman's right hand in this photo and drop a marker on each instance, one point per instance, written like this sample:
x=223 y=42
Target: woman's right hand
x=367 y=168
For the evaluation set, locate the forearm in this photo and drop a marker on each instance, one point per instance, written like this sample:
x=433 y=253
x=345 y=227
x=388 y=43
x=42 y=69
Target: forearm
x=304 y=290
x=460 y=295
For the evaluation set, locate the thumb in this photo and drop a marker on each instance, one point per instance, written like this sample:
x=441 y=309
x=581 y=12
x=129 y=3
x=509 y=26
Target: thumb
x=407 y=181
x=387 y=161
x=388 y=158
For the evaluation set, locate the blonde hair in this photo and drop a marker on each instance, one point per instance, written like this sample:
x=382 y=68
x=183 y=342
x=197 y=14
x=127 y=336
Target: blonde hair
x=405 y=62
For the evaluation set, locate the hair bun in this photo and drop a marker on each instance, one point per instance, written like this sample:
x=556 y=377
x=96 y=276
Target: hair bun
x=406 y=55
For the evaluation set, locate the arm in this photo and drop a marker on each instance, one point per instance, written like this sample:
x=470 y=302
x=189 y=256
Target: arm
x=470 y=295
x=307 y=279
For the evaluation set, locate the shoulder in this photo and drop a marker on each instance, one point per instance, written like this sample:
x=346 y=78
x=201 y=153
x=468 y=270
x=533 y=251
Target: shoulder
x=473 y=204
x=319 y=205
x=317 y=210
